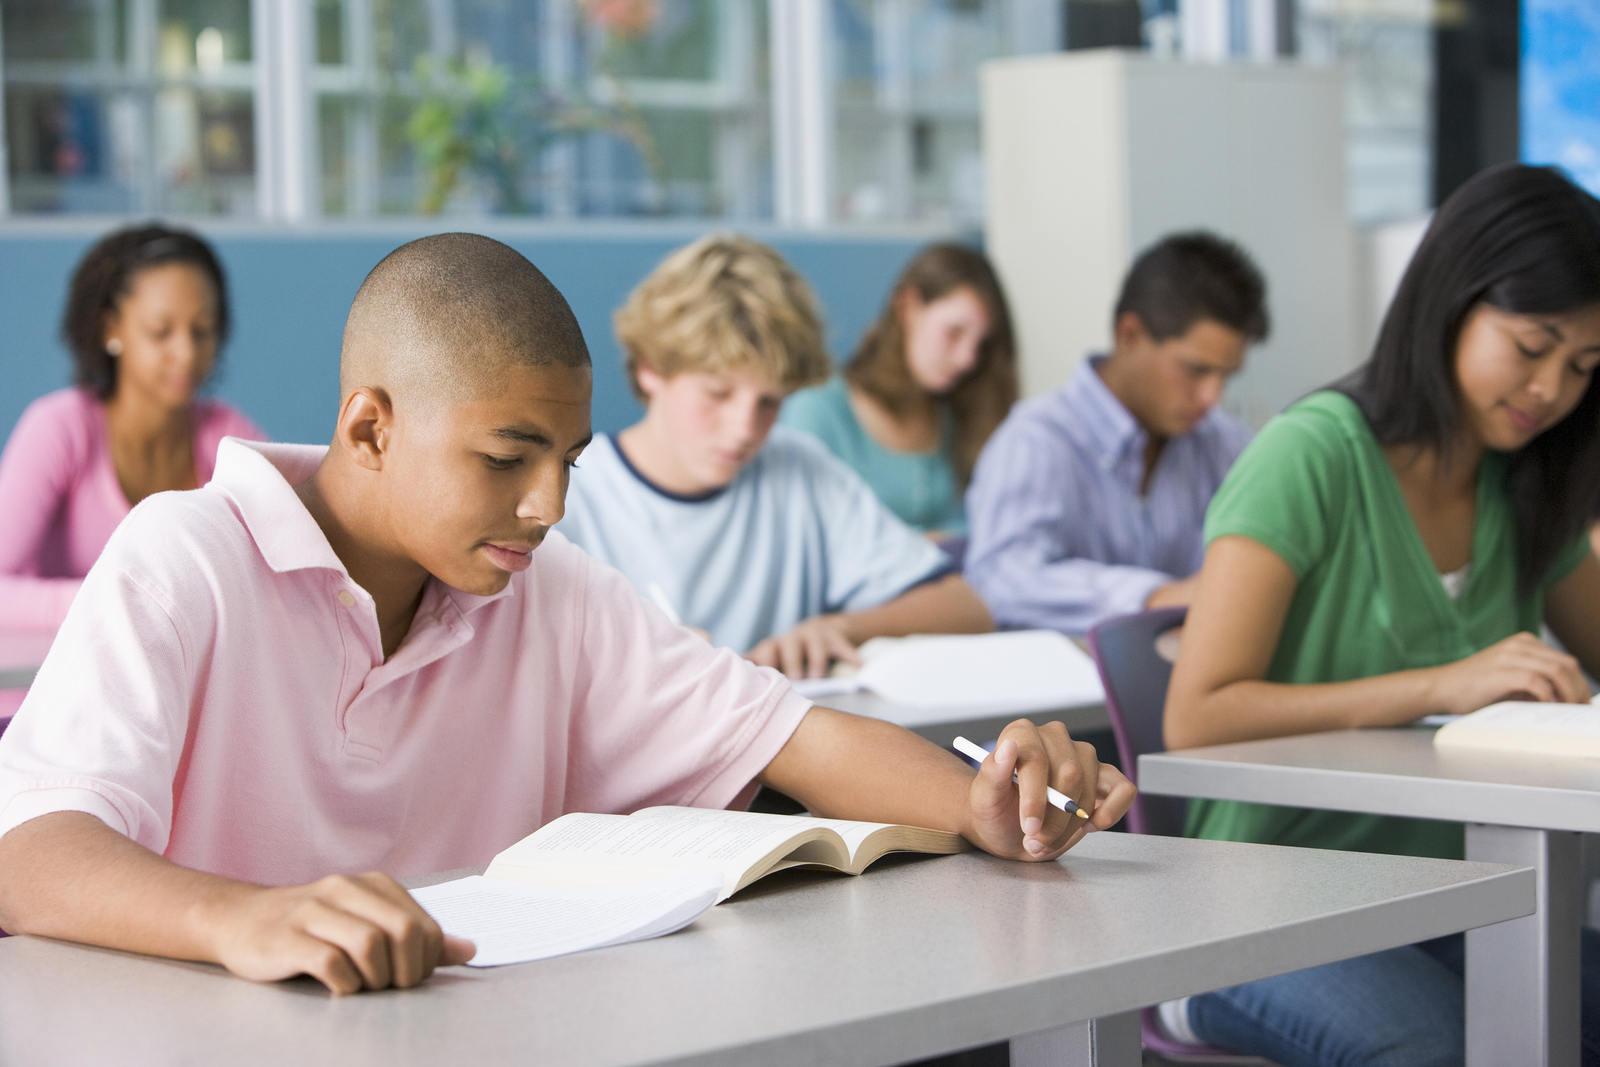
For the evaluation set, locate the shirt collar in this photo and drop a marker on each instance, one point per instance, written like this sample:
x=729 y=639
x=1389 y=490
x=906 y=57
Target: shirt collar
x=261 y=479
x=1100 y=418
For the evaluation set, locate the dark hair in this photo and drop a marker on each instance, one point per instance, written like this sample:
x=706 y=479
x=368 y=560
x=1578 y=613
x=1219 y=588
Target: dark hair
x=980 y=401
x=1524 y=240
x=1187 y=277
x=105 y=275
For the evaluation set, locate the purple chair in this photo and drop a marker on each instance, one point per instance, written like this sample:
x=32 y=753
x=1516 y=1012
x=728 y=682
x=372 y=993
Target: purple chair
x=1135 y=677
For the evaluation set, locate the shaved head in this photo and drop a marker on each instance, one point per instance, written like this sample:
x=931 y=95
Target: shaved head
x=445 y=317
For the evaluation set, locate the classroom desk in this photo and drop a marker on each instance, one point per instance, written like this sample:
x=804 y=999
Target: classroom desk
x=976 y=723
x=1522 y=977
x=919 y=957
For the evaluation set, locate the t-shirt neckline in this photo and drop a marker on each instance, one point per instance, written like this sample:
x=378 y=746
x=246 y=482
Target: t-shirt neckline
x=679 y=498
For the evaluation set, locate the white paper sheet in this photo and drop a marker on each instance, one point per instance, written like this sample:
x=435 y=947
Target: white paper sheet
x=1018 y=670
x=514 y=922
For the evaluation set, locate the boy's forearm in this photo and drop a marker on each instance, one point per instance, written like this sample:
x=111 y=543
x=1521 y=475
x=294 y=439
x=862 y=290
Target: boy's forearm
x=68 y=875
x=946 y=606
x=843 y=766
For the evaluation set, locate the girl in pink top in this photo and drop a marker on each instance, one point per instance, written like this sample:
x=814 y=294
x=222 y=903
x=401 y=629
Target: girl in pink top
x=145 y=319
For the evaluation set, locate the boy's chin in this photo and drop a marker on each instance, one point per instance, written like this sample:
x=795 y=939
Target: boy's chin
x=481 y=580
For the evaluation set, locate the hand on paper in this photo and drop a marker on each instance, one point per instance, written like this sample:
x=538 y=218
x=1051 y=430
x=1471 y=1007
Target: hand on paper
x=807 y=650
x=1521 y=667
x=1015 y=820
x=348 y=932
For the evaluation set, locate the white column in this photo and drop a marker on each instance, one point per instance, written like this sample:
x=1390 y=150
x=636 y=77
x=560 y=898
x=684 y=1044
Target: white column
x=558 y=163
x=1204 y=30
x=285 y=162
x=802 y=110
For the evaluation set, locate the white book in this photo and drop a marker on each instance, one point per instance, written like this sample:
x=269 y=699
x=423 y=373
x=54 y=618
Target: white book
x=1527 y=726
x=587 y=881
x=514 y=922
x=1015 y=670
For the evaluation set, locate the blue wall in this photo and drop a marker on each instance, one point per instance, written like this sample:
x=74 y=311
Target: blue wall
x=291 y=290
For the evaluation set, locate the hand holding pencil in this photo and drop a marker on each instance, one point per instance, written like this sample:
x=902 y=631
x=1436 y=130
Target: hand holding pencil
x=1040 y=792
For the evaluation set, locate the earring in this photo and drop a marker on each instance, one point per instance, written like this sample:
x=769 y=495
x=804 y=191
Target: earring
x=114 y=347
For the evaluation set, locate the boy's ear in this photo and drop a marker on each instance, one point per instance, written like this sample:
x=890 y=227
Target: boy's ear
x=650 y=379
x=364 y=424
x=1130 y=331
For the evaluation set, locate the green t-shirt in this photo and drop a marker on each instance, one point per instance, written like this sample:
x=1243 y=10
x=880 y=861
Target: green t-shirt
x=919 y=487
x=1315 y=488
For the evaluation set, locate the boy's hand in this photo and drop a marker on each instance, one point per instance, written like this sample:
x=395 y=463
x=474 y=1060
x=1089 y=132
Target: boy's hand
x=807 y=650
x=349 y=933
x=1015 y=820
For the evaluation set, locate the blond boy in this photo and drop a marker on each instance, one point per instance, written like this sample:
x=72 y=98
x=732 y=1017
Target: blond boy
x=754 y=533
x=376 y=657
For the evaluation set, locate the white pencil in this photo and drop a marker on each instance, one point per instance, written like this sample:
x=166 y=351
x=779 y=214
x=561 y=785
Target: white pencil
x=659 y=595
x=1056 y=797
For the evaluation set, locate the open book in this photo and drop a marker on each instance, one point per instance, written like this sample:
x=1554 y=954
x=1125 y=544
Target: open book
x=1527 y=726
x=738 y=846
x=1015 y=670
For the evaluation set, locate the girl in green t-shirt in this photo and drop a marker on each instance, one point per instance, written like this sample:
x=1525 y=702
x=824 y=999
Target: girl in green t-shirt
x=929 y=382
x=1388 y=549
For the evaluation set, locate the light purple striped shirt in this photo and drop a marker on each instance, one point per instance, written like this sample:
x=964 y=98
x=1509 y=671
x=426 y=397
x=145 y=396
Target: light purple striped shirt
x=1060 y=536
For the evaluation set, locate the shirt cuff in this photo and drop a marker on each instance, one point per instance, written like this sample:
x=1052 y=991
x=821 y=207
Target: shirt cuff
x=30 y=804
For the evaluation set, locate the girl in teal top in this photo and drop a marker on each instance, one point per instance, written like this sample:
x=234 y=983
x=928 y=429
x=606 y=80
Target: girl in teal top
x=1388 y=549
x=928 y=384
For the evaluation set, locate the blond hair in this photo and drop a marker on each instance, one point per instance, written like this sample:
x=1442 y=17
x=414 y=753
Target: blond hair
x=724 y=302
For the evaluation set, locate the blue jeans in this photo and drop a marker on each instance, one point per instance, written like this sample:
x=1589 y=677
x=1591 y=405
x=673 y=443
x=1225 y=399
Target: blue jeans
x=1400 y=1008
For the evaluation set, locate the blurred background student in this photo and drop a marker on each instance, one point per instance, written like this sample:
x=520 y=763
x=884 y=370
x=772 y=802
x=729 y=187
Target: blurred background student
x=751 y=531
x=929 y=382
x=1088 y=501
x=146 y=316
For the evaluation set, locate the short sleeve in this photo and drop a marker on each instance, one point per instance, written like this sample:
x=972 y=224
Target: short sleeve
x=103 y=724
x=872 y=556
x=1284 y=489
x=816 y=411
x=660 y=715
x=1568 y=561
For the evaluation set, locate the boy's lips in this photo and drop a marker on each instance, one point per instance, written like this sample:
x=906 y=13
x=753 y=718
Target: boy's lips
x=511 y=557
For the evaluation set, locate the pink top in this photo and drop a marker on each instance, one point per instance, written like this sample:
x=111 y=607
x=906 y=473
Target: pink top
x=218 y=693
x=61 y=499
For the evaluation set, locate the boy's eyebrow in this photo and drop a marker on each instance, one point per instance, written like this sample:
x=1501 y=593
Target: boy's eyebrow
x=533 y=437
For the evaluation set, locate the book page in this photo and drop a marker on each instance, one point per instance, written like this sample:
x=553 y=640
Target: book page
x=656 y=839
x=1527 y=726
x=512 y=922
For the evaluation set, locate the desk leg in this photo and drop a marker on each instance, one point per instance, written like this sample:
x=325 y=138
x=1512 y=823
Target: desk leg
x=1522 y=975
x=1109 y=1041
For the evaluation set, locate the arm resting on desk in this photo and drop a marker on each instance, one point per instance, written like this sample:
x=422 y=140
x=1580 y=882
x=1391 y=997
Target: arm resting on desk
x=944 y=606
x=70 y=876
x=1217 y=696
x=847 y=767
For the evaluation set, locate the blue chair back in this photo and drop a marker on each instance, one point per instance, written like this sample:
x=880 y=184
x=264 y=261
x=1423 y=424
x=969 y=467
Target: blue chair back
x=1135 y=677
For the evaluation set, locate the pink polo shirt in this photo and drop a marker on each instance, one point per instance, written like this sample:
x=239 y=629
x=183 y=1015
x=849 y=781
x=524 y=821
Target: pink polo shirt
x=218 y=693
x=60 y=498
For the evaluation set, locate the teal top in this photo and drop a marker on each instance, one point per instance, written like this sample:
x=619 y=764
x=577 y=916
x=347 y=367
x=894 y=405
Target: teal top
x=1316 y=489
x=919 y=487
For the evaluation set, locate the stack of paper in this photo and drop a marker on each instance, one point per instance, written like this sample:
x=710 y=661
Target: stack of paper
x=1526 y=726
x=514 y=922
x=1018 y=670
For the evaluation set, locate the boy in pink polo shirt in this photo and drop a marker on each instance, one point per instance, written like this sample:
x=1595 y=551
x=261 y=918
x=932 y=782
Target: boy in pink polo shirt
x=353 y=659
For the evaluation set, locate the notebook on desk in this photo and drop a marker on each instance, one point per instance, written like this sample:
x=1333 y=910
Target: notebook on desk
x=1545 y=729
x=1017 y=670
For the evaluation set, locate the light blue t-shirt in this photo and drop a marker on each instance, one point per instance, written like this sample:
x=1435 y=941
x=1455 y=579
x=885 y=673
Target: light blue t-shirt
x=919 y=487
x=795 y=534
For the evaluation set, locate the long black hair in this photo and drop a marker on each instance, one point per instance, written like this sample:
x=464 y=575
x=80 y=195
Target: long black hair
x=105 y=275
x=1525 y=240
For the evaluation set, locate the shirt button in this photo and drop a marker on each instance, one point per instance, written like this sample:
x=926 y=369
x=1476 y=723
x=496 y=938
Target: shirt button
x=346 y=599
